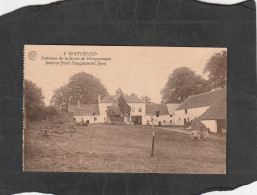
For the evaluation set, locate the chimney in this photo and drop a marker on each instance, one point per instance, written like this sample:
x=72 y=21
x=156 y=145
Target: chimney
x=78 y=103
x=99 y=99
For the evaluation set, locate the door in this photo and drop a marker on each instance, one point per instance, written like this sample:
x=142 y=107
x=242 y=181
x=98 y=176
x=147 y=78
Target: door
x=137 y=120
x=221 y=124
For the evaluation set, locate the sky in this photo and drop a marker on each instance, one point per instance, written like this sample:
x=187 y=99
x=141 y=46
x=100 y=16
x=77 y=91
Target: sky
x=140 y=70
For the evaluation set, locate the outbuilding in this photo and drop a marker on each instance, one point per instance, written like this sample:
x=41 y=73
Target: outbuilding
x=195 y=105
x=215 y=117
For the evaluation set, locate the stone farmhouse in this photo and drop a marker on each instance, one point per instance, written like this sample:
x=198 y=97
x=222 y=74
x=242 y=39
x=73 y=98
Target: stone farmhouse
x=209 y=107
x=141 y=113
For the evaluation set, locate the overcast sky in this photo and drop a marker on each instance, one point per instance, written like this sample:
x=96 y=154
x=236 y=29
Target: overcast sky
x=139 y=70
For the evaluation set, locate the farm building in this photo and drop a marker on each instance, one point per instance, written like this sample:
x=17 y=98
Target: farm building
x=89 y=113
x=119 y=111
x=214 y=117
x=137 y=106
x=162 y=114
x=196 y=105
x=129 y=108
x=97 y=113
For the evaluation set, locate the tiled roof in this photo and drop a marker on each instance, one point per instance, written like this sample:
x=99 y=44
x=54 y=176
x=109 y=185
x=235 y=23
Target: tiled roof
x=217 y=109
x=172 y=108
x=128 y=98
x=107 y=99
x=85 y=110
x=201 y=100
x=151 y=109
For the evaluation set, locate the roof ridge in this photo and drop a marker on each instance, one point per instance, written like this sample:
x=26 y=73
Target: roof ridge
x=217 y=99
x=207 y=92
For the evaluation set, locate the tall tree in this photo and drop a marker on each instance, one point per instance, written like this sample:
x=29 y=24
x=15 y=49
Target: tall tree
x=216 y=67
x=183 y=82
x=33 y=101
x=83 y=87
x=146 y=99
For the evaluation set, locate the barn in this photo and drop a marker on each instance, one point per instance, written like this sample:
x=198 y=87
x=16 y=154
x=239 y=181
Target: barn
x=215 y=117
x=196 y=105
x=89 y=113
x=162 y=114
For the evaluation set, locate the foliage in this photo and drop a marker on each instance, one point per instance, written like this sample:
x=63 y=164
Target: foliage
x=50 y=112
x=216 y=67
x=119 y=108
x=182 y=83
x=33 y=100
x=146 y=99
x=83 y=87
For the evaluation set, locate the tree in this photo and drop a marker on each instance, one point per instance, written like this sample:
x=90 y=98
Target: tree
x=146 y=99
x=81 y=87
x=51 y=111
x=216 y=67
x=33 y=101
x=182 y=83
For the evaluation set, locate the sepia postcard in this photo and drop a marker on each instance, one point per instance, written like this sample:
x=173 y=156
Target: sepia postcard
x=125 y=109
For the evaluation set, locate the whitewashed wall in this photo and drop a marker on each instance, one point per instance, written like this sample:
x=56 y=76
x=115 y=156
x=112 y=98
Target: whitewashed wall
x=192 y=113
x=102 y=110
x=85 y=118
x=211 y=124
x=164 y=119
x=137 y=106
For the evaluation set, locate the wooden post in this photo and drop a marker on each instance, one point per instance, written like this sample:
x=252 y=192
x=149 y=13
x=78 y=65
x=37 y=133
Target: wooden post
x=153 y=137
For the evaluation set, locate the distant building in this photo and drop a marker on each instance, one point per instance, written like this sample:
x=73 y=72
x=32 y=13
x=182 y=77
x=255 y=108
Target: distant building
x=163 y=114
x=208 y=107
x=195 y=105
x=119 y=111
x=215 y=117
x=137 y=107
x=140 y=111
x=89 y=113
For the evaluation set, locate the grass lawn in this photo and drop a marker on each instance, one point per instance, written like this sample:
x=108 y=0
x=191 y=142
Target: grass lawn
x=119 y=148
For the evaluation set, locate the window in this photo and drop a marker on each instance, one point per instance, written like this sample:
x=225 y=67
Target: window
x=95 y=119
x=185 y=111
x=170 y=121
x=139 y=110
x=93 y=114
x=171 y=115
x=164 y=121
x=179 y=119
x=157 y=114
x=133 y=109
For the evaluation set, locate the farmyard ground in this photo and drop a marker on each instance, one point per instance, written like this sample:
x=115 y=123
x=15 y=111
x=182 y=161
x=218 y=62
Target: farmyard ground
x=119 y=148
